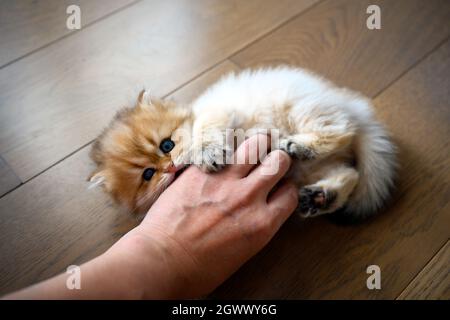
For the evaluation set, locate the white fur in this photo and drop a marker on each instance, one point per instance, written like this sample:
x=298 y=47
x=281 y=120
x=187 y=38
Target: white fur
x=256 y=99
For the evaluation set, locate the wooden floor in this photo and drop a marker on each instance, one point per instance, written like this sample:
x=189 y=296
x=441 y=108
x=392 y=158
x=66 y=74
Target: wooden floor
x=58 y=88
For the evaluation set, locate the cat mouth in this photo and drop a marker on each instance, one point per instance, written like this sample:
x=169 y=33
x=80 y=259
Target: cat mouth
x=175 y=172
x=180 y=171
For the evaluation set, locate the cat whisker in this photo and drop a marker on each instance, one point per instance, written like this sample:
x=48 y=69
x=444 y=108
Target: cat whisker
x=163 y=183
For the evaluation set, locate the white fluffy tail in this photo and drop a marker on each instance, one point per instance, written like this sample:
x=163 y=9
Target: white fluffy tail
x=376 y=164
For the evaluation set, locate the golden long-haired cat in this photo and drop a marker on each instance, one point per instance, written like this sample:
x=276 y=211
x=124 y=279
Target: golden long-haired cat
x=343 y=157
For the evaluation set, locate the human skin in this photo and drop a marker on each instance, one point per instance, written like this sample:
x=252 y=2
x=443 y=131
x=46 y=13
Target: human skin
x=198 y=233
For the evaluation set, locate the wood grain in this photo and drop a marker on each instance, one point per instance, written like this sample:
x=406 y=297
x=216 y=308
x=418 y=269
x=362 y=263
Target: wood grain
x=8 y=179
x=59 y=98
x=332 y=39
x=27 y=25
x=54 y=221
x=317 y=259
x=55 y=100
x=433 y=282
x=194 y=88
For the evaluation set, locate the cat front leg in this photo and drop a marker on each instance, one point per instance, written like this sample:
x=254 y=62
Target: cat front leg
x=212 y=146
x=298 y=147
x=210 y=151
x=309 y=146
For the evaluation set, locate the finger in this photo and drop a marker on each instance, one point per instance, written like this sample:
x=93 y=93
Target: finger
x=248 y=154
x=270 y=171
x=282 y=203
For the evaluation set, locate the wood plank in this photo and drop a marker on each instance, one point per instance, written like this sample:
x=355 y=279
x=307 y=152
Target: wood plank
x=433 y=282
x=8 y=179
x=194 y=88
x=27 y=25
x=59 y=98
x=333 y=40
x=317 y=259
x=54 y=221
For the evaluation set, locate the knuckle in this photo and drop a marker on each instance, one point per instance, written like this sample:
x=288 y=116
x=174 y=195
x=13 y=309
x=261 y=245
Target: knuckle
x=278 y=211
x=266 y=225
x=251 y=191
x=266 y=231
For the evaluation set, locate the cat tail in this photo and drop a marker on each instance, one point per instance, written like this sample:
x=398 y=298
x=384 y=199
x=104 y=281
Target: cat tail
x=376 y=162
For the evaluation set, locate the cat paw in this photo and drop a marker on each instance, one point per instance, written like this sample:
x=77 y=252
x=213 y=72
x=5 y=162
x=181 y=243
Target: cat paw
x=314 y=201
x=296 y=150
x=211 y=159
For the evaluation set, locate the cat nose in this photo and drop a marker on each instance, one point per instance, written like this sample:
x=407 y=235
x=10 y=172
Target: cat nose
x=171 y=168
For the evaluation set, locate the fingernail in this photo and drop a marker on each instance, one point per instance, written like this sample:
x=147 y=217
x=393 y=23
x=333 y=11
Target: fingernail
x=272 y=164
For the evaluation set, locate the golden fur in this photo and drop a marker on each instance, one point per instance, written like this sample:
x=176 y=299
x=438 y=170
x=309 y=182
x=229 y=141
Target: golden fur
x=130 y=144
x=342 y=156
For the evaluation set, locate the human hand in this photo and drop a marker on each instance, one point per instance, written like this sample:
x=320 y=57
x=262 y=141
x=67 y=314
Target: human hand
x=205 y=226
x=200 y=231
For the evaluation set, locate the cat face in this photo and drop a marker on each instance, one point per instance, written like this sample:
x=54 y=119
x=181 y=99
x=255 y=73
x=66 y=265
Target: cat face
x=140 y=152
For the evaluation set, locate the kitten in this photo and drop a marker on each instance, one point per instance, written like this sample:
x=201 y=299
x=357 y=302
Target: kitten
x=343 y=158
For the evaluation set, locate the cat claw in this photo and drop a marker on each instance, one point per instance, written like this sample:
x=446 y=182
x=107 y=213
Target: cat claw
x=212 y=160
x=296 y=150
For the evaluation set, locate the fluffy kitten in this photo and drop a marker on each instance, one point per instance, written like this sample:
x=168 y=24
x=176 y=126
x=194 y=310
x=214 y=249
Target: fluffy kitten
x=343 y=157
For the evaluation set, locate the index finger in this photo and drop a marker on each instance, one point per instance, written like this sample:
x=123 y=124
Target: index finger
x=248 y=154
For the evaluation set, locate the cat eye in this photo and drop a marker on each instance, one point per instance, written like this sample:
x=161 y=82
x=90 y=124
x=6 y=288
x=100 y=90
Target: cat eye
x=166 y=145
x=148 y=174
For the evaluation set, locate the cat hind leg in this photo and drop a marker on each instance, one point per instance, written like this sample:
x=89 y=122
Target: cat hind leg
x=329 y=194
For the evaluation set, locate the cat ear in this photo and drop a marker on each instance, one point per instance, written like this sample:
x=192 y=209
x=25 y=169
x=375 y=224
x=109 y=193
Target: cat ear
x=144 y=99
x=98 y=178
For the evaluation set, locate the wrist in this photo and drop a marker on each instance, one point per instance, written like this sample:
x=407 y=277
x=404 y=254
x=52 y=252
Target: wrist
x=110 y=276
x=150 y=264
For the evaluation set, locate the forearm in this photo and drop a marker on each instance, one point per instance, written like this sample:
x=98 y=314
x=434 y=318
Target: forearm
x=119 y=273
x=100 y=278
x=187 y=247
